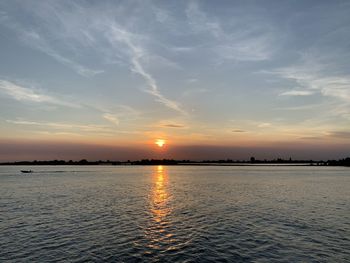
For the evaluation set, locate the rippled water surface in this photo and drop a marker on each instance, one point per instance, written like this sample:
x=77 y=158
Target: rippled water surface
x=175 y=214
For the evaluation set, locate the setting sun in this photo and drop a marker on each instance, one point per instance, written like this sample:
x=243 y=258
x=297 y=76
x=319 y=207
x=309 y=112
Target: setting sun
x=160 y=142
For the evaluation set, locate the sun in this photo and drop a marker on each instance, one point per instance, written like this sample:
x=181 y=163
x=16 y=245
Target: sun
x=160 y=142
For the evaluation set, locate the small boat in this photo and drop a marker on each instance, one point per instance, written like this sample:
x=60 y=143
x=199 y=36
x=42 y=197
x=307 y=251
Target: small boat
x=26 y=171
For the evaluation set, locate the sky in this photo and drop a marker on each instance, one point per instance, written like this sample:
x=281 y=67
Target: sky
x=214 y=79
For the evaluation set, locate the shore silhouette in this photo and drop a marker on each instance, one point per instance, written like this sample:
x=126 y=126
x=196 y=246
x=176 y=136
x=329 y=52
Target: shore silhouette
x=252 y=161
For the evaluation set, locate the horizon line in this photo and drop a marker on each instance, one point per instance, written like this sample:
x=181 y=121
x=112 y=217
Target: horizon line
x=252 y=160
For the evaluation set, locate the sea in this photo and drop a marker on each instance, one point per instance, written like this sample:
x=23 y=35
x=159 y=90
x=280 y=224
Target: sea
x=175 y=214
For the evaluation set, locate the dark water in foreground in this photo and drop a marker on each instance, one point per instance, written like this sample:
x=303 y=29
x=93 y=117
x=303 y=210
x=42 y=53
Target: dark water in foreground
x=175 y=214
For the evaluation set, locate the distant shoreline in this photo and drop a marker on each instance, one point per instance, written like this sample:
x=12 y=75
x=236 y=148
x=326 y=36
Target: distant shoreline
x=228 y=162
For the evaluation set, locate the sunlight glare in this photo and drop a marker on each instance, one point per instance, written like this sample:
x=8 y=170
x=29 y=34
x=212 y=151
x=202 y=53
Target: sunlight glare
x=160 y=142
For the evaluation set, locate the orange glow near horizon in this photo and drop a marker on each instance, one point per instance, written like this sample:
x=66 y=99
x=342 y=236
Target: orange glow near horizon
x=160 y=142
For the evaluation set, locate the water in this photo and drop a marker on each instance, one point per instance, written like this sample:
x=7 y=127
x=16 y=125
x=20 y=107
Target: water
x=175 y=214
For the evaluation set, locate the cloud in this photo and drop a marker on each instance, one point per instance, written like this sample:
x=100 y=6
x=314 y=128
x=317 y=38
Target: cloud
x=341 y=109
x=111 y=117
x=331 y=134
x=31 y=37
x=264 y=125
x=71 y=32
x=161 y=15
x=23 y=94
x=119 y=113
x=311 y=138
x=300 y=108
x=20 y=93
x=241 y=43
x=313 y=77
x=297 y=93
x=65 y=126
x=173 y=125
x=239 y=131
x=137 y=54
x=199 y=21
x=180 y=49
x=339 y=134
x=192 y=80
x=59 y=133
x=194 y=91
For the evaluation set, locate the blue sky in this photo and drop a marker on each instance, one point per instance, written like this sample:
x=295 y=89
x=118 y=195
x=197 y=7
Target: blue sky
x=217 y=73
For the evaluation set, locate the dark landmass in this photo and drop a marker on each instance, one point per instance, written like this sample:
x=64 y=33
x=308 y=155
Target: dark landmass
x=252 y=161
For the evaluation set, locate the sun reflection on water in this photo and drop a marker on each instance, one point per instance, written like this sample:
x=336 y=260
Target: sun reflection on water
x=160 y=197
x=159 y=229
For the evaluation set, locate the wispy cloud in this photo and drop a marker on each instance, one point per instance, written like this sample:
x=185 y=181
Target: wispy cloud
x=31 y=37
x=58 y=133
x=173 y=125
x=264 y=125
x=161 y=15
x=80 y=30
x=137 y=54
x=311 y=138
x=36 y=41
x=329 y=135
x=21 y=93
x=313 y=77
x=119 y=114
x=64 y=126
x=194 y=91
x=300 y=108
x=192 y=80
x=199 y=21
x=250 y=43
x=297 y=93
x=341 y=109
x=339 y=134
x=111 y=117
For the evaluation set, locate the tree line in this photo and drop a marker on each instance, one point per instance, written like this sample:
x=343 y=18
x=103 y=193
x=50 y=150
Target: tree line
x=251 y=161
